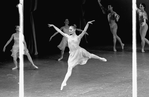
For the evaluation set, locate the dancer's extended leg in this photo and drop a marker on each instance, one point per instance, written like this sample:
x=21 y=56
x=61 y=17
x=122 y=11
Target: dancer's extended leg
x=143 y=44
x=97 y=57
x=15 y=62
x=119 y=39
x=62 y=54
x=143 y=31
x=114 y=43
x=68 y=74
x=30 y=59
x=147 y=41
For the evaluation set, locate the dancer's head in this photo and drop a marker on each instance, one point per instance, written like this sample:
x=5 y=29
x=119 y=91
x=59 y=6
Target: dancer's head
x=110 y=8
x=142 y=6
x=72 y=30
x=66 y=22
x=17 y=28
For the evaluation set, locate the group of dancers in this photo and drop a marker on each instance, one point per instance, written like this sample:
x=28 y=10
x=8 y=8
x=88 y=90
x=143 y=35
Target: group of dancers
x=77 y=54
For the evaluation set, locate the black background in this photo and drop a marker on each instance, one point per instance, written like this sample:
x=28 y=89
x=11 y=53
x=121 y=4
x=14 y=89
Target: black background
x=55 y=12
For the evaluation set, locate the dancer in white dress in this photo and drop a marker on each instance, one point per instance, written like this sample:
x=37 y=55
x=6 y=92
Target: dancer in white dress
x=77 y=54
x=63 y=44
x=143 y=25
x=15 y=49
x=113 y=17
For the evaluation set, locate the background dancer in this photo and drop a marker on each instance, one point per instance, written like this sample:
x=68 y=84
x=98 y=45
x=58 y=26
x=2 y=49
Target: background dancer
x=15 y=49
x=63 y=44
x=112 y=18
x=143 y=25
x=78 y=55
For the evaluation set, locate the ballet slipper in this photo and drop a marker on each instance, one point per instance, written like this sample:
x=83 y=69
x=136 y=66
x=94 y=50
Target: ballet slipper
x=142 y=51
x=35 y=66
x=60 y=58
x=103 y=59
x=14 y=68
x=62 y=86
x=114 y=50
x=122 y=46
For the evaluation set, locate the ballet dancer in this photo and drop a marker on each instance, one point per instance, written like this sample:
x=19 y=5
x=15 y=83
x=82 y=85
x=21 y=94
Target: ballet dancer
x=113 y=17
x=63 y=44
x=143 y=25
x=77 y=54
x=15 y=49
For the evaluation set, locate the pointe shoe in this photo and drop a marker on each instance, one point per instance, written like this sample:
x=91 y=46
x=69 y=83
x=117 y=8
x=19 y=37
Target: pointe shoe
x=103 y=59
x=114 y=50
x=142 y=51
x=60 y=58
x=63 y=85
x=14 y=68
x=35 y=66
x=122 y=46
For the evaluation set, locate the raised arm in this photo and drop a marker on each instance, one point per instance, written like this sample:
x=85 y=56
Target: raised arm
x=79 y=30
x=58 y=30
x=8 y=42
x=104 y=10
x=85 y=29
x=55 y=34
x=138 y=10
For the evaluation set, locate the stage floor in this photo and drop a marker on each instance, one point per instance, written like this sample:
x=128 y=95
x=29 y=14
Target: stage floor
x=95 y=79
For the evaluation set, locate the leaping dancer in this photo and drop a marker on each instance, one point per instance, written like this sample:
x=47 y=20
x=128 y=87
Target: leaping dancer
x=63 y=44
x=113 y=17
x=15 y=49
x=77 y=54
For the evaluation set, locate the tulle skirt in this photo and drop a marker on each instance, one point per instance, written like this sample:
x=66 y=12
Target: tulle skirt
x=79 y=56
x=63 y=43
x=15 y=50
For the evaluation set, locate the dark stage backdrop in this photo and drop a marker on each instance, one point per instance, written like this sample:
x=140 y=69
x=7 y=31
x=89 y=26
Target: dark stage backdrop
x=45 y=12
x=9 y=19
x=56 y=11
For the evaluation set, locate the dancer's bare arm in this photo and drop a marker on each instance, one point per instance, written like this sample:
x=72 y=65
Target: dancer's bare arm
x=54 y=34
x=81 y=31
x=117 y=16
x=58 y=30
x=85 y=29
x=104 y=10
x=12 y=36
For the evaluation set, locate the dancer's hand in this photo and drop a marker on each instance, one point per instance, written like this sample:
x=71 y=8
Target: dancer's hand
x=99 y=2
x=117 y=17
x=4 y=49
x=50 y=39
x=90 y=22
x=143 y=24
x=50 y=25
x=86 y=33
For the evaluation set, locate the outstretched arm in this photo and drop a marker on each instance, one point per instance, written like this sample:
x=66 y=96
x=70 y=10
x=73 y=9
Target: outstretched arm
x=58 y=30
x=54 y=34
x=85 y=29
x=81 y=31
x=8 y=42
x=102 y=8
